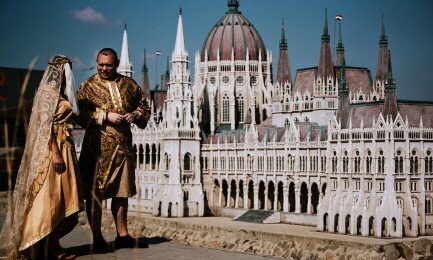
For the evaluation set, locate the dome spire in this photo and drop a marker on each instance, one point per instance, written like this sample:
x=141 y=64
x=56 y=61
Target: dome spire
x=233 y=6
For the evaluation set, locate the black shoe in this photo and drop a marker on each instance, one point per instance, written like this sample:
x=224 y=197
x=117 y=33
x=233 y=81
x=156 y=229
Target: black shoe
x=124 y=242
x=100 y=245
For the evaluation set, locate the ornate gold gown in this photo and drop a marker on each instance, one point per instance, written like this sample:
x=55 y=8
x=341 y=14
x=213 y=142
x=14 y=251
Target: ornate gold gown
x=57 y=195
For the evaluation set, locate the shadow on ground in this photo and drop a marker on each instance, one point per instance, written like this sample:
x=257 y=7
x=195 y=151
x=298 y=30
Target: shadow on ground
x=142 y=242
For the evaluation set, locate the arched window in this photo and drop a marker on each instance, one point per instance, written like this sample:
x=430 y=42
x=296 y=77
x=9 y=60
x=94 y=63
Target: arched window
x=398 y=162
x=226 y=109
x=381 y=162
x=187 y=162
x=357 y=162
x=428 y=163
x=428 y=205
x=345 y=162
x=413 y=162
x=334 y=162
x=368 y=162
x=167 y=161
x=241 y=115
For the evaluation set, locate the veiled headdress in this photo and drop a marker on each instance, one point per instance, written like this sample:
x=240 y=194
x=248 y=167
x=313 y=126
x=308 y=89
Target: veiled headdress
x=30 y=179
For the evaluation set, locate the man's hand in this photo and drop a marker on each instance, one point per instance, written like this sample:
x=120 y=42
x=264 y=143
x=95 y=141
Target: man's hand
x=130 y=118
x=115 y=118
x=58 y=163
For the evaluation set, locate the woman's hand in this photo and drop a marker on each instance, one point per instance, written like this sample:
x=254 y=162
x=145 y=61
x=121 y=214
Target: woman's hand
x=58 y=163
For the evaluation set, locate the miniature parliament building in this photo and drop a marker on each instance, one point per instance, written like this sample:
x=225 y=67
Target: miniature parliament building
x=332 y=147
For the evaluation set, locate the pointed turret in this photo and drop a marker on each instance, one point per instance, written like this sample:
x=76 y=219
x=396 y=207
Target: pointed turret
x=382 y=64
x=340 y=48
x=145 y=78
x=325 y=69
x=390 y=92
x=125 y=66
x=179 y=47
x=343 y=96
x=181 y=185
x=283 y=72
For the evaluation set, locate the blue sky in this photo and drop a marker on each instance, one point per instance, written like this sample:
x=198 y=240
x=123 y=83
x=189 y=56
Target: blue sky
x=80 y=28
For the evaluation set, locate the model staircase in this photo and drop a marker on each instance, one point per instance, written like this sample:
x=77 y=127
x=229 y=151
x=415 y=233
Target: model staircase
x=259 y=216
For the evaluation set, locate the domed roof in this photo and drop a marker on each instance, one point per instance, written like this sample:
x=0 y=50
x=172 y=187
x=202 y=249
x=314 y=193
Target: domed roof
x=233 y=30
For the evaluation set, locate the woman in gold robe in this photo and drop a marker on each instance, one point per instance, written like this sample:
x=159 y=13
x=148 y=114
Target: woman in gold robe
x=48 y=192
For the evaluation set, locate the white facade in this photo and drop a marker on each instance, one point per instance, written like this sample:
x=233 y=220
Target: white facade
x=375 y=180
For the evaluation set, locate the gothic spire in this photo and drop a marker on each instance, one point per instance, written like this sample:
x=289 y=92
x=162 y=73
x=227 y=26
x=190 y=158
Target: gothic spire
x=325 y=68
x=340 y=48
x=283 y=41
x=179 y=47
x=144 y=68
x=343 y=96
x=325 y=35
x=166 y=77
x=389 y=78
x=390 y=92
x=383 y=37
x=125 y=66
x=145 y=78
x=382 y=64
x=283 y=72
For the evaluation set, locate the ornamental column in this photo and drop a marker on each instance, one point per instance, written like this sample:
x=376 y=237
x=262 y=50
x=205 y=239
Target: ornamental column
x=220 y=196
x=237 y=195
x=286 y=198
x=298 y=200
x=212 y=114
x=229 y=196
x=232 y=113
x=246 y=197
x=256 y=196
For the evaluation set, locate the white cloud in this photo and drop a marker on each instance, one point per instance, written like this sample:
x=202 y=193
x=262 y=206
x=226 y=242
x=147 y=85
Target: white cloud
x=89 y=15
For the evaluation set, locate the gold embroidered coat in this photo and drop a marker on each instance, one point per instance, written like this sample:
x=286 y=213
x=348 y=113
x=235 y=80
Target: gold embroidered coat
x=107 y=148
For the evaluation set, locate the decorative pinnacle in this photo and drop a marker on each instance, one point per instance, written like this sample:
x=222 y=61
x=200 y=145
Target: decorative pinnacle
x=180 y=10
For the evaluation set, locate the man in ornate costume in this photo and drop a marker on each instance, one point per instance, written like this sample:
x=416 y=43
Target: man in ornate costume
x=48 y=193
x=109 y=103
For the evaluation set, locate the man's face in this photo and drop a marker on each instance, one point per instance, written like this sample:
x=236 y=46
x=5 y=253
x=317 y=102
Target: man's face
x=106 y=65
